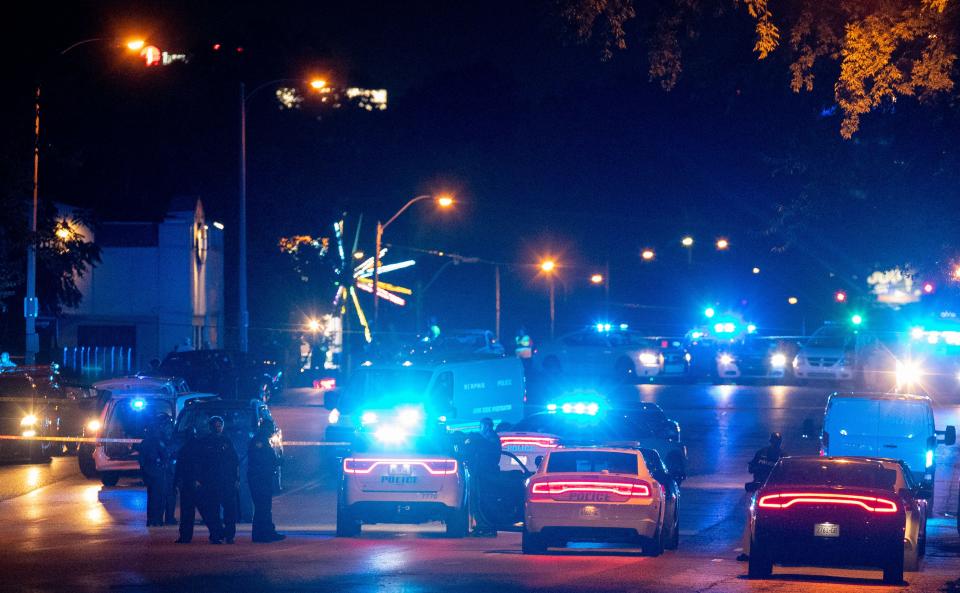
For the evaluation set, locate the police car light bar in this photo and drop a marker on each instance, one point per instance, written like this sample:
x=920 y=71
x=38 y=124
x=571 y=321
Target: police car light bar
x=436 y=467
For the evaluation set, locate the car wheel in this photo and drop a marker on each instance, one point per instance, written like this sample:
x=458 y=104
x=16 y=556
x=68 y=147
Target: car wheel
x=458 y=522
x=533 y=543
x=674 y=542
x=654 y=546
x=109 y=479
x=88 y=467
x=551 y=365
x=893 y=572
x=347 y=525
x=759 y=566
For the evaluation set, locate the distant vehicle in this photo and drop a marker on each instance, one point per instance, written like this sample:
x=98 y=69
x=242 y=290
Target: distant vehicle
x=33 y=404
x=460 y=345
x=229 y=374
x=241 y=419
x=755 y=357
x=101 y=393
x=601 y=494
x=834 y=352
x=413 y=479
x=458 y=394
x=838 y=511
x=885 y=425
x=572 y=424
x=675 y=359
x=602 y=352
x=131 y=408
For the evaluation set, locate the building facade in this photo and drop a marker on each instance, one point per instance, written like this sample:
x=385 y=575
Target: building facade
x=159 y=287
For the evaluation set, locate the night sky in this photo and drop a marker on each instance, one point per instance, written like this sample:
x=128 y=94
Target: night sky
x=548 y=149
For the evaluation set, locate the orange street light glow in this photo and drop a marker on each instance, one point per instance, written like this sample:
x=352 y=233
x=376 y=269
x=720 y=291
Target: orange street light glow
x=648 y=254
x=63 y=233
x=793 y=300
x=722 y=244
x=313 y=325
x=135 y=44
x=444 y=201
x=596 y=279
x=687 y=241
x=548 y=265
x=318 y=83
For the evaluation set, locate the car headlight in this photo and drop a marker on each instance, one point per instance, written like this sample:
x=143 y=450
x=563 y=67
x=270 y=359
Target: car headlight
x=28 y=420
x=93 y=425
x=334 y=416
x=778 y=360
x=908 y=373
x=409 y=417
x=797 y=361
x=726 y=359
x=687 y=357
x=368 y=418
x=648 y=359
x=390 y=434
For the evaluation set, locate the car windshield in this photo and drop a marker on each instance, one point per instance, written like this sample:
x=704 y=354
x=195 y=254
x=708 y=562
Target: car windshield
x=378 y=387
x=239 y=420
x=830 y=338
x=586 y=428
x=592 y=461
x=829 y=472
x=130 y=417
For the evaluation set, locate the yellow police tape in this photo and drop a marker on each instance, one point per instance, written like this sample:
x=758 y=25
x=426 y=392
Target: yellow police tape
x=99 y=440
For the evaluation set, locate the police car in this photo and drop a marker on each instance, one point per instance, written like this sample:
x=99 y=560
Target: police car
x=402 y=470
x=601 y=494
x=575 y=423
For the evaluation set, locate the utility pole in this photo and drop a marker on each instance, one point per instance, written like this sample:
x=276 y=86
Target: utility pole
x=31 y=305
x=496 y=283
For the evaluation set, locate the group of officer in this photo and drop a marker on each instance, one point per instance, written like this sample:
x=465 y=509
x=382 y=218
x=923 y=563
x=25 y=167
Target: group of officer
x=206 y=471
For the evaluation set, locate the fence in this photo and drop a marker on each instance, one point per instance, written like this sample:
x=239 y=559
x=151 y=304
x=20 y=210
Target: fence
x=99 y=361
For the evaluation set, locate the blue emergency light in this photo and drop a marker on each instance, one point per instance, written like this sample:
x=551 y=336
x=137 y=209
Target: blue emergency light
x=138 y=404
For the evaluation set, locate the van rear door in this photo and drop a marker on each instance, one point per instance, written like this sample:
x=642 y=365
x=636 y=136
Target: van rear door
x=903 y=430
x=852 y=424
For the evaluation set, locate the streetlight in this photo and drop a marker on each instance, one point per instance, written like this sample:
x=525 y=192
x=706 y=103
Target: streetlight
x=596 y=279
x=722 y=244
x=793 y=300
x=442 y=201
x=313 y=325
x=548 y=266
x=31 y=305
x=755 y=270
x=244 y=315
x=687 y=242
x=648 y=255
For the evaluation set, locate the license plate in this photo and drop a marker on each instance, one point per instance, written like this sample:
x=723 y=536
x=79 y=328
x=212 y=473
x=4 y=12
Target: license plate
x=399 y=469
x=826 y=530
x=588 y=511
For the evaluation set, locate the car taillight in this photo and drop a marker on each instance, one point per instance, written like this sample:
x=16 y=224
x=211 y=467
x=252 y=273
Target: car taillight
x=544 y=442
x=555 y=488
x=787 y=500
x=436 y=467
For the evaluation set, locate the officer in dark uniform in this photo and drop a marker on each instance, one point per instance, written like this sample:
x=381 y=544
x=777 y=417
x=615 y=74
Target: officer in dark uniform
x=153 y=461
x=766 y=458
x=483 y=459
x=219 y=480
x=760 y=466
x=262 y=464
x=186 y=475
x=169 y=481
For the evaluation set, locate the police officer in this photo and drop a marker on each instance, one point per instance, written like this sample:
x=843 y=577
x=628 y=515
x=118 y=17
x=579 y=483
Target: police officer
x=186 y=474
x=262 y=465
x=219 y=481
x=483 y=459
x=153 y=459
x=760 y=466
x=169 y=481
x=766 y=458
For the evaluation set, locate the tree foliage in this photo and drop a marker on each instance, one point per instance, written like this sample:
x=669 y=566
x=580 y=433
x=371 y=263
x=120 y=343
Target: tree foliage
x=885 y=49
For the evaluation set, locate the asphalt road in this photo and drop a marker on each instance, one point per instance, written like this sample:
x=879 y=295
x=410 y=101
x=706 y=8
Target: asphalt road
x=64 y=533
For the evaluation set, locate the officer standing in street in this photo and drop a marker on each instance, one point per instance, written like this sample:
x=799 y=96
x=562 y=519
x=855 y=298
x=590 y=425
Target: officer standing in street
x=483 y=459
x=169 y=468
x=186 y=474
x=760 y=466
x=219 y=480
x=153 y=459
x=262 y=465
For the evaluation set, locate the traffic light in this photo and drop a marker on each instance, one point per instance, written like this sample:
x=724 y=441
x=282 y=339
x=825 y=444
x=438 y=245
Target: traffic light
x=928 y=287
x=840 y=296
x=709 y=312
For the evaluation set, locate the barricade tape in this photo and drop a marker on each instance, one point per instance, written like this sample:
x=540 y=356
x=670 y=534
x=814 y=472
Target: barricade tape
x=99 y=440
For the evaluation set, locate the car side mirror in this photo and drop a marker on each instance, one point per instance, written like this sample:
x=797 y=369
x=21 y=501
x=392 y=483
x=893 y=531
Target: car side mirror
x=538 y=460
x=924 y=491
x=751 y=487
x=950 y=436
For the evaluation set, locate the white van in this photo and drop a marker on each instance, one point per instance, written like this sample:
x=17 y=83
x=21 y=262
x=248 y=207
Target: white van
x=885 y=425
x=134 y=403
x=458 y=394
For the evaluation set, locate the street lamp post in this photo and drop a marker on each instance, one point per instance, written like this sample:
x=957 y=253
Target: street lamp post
x=243 y=313
x=443 y=201
x=547 y=267
x=31 y=305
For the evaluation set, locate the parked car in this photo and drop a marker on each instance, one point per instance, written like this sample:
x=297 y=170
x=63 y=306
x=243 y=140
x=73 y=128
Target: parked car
x=32 y=404
x=755 y=358
x=602 y=352
x=229 y=374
